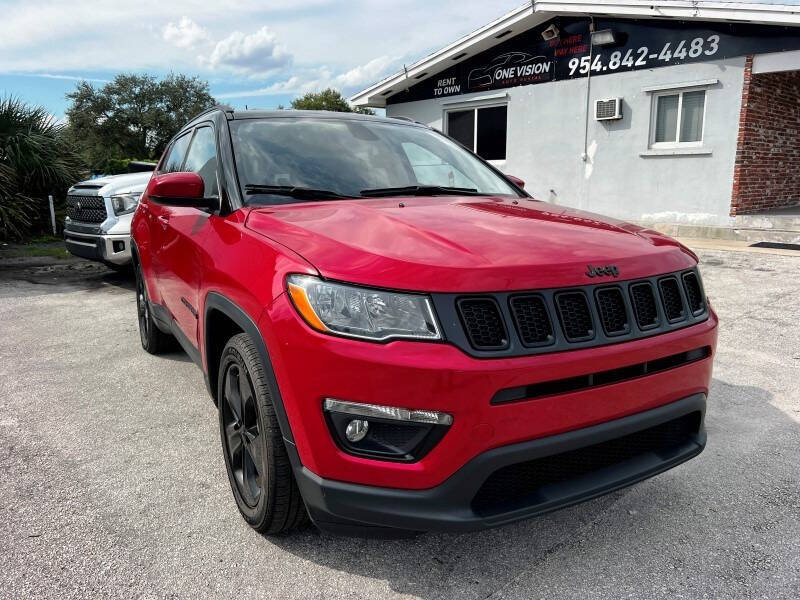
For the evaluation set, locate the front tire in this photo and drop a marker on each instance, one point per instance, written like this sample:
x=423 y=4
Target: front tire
x=256 y=460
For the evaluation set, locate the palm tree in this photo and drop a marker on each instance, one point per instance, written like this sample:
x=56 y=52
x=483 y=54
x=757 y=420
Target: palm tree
x=36 y=159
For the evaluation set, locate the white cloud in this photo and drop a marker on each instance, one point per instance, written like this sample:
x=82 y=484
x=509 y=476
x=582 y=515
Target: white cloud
x=314 y=80
x=368 y=73
x=65 y=77
x=186 y=34
x=290 y=86
x=256 y=54
x=307 y=46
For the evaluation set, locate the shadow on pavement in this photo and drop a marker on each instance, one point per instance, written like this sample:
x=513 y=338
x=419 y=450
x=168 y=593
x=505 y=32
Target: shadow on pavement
x=35 y=277
x=681 y=514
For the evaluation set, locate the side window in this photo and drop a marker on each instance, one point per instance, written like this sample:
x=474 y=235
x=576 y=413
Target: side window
x=482 y=130
x=429 y=169
x=202 y=159
x=678 y=119
x=175 y=155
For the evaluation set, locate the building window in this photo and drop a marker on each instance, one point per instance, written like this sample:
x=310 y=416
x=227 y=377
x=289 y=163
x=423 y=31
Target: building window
x=678 y=119
x=483 y=130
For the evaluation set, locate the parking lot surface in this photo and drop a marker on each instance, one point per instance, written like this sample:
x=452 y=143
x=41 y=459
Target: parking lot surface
x=112 y=481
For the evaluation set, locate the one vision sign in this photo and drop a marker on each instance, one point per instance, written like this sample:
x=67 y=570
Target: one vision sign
x=527 y=59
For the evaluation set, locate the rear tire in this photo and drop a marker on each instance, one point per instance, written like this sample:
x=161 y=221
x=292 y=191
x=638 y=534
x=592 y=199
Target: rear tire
x=153 y=339
x=256 y=460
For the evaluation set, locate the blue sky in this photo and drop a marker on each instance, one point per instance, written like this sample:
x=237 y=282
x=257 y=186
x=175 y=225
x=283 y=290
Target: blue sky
x=253 y=52
x=259 y=53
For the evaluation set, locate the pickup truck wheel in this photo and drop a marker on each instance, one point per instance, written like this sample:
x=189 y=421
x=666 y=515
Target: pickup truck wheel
x=255 y=456
x=153 y=339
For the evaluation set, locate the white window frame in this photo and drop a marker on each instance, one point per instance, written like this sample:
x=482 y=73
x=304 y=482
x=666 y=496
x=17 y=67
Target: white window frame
x=677 y=144
x=475 y=107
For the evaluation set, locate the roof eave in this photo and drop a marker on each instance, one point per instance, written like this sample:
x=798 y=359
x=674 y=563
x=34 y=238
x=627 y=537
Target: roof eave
x=540 y=11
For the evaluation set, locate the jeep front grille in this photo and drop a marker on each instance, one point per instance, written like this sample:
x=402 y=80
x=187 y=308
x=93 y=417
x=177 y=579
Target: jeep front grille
x=613 y=314
x=86 y=209
x=644 y=304
x=532 y=320
x=483 y=323
x=671 y=297
x=694 y=295
x=523 y=323
x=575 y=316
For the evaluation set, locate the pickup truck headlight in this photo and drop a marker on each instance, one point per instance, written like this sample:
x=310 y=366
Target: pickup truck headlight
x=125 y=203
x=362 y=312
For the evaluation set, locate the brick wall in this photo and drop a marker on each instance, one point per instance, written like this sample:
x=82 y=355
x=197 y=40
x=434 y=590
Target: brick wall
x=767 y=171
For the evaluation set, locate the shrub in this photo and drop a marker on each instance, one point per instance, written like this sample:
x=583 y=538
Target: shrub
x=36 y=159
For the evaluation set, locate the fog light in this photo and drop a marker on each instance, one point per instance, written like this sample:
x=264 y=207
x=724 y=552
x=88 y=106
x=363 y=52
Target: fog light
x=356 y=430
x=385 y=432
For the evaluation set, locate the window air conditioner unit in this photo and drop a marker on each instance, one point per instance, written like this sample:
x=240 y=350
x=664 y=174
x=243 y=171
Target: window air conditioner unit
x=609 y=109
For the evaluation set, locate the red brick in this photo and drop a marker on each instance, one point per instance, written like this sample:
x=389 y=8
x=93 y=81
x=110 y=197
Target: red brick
x=767 y=167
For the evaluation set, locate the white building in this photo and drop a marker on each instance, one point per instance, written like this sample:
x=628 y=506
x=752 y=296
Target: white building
x=657 y=112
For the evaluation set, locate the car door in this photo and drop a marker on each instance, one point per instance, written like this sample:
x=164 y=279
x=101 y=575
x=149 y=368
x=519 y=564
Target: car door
x=180 y=254
x=158 y=215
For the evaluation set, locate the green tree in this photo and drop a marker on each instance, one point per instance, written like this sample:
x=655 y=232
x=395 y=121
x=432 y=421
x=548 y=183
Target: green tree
x=329 y=99
x=133 y=115
x=36 y=159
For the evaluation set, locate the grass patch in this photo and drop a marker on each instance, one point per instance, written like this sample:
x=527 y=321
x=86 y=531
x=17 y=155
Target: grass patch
x=49 y=249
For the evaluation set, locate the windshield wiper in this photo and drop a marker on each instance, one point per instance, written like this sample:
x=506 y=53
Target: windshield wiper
x=293 y=191
x=421 y=190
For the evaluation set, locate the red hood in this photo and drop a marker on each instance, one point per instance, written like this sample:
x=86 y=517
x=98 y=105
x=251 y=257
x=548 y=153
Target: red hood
x=455 y=244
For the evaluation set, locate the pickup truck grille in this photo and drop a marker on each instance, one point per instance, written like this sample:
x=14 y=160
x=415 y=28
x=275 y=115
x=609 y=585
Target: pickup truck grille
x=518 y=324
x=86 y=209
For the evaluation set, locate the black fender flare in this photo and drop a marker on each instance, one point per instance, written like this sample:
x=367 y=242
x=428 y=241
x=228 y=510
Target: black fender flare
x=216 y=301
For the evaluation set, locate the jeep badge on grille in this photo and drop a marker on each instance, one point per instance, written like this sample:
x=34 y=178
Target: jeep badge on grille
x=606 y=271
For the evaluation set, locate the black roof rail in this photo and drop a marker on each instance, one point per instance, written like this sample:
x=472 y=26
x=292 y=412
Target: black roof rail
x=222 y=107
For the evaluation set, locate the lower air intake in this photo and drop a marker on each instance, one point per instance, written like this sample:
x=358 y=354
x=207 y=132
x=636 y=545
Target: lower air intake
x=522 y=484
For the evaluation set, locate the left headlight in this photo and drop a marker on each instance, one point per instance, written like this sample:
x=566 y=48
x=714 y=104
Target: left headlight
x=125 y=203
x=362 y=312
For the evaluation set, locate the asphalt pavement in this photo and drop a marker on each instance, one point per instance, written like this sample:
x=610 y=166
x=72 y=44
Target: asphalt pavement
x=112 y=482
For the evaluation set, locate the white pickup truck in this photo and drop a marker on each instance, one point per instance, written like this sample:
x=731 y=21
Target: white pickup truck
x=99 y=212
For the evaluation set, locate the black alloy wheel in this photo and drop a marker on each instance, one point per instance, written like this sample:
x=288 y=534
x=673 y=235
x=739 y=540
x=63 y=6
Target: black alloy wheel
x=243 y=445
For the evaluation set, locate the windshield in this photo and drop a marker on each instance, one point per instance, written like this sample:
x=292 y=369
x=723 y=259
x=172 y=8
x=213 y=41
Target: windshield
x=351 y=158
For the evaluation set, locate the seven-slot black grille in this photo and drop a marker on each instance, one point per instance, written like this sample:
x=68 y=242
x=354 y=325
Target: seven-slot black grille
x=552 y=320
x=644 y=305
x=694 y=295
x=671 y=298
x=86 y=209
x=532 y=320
x=613 y=314
x=575 y=316
x=483 y=323
x=520 y=483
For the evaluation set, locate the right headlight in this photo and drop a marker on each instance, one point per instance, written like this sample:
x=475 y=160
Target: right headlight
x=363 y=313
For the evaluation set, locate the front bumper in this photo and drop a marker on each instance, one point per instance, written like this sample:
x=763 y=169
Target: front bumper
x=311 y=366
x=114 y=249
x=347 y=508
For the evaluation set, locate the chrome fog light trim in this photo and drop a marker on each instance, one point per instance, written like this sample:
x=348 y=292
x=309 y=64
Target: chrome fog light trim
x=375 y=411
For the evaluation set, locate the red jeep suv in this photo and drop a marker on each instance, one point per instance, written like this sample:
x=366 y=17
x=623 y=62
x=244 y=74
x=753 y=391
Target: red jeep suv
x=400 y=339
